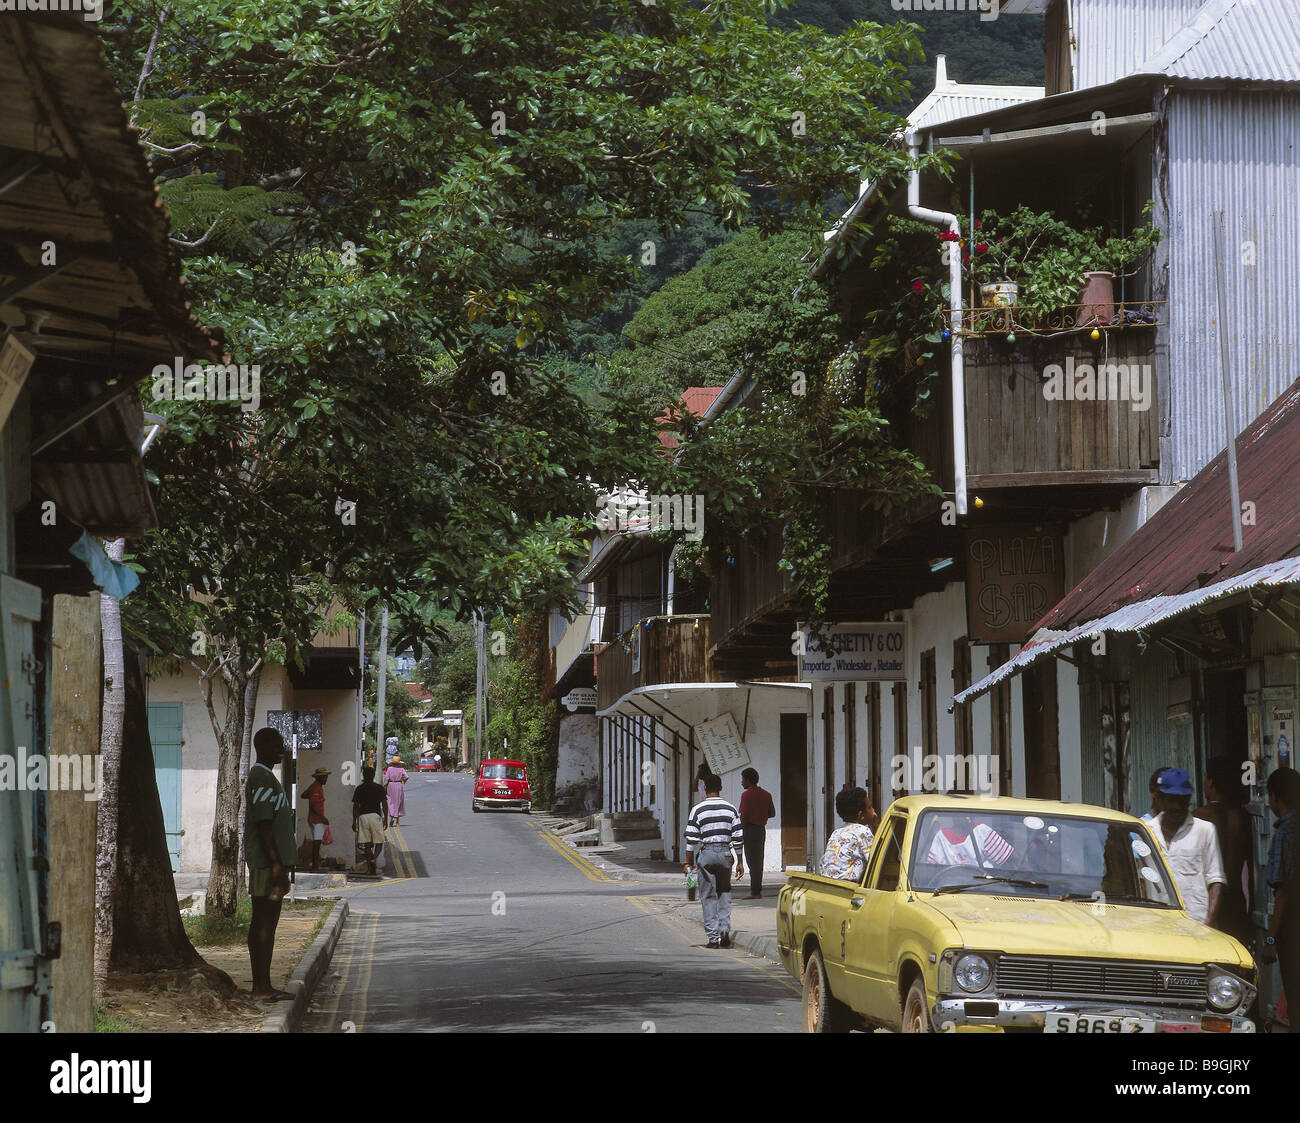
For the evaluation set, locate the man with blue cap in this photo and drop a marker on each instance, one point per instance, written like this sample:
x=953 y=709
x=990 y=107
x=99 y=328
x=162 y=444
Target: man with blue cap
x=1191 y=845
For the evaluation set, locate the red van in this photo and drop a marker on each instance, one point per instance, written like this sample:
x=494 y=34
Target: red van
x=503 y=783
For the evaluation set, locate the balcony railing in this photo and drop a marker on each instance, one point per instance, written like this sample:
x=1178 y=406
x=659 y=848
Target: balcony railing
x=1022 y=321
x=661 y=648
x=1061 y=411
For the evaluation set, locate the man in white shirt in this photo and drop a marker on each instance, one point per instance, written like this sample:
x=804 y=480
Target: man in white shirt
x=967 y=844
x=1191 y=845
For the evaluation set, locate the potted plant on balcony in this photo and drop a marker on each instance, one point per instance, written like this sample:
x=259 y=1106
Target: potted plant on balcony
x=1053 y=264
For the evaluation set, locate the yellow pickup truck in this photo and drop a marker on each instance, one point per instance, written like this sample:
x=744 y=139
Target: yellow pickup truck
x=1009 y=915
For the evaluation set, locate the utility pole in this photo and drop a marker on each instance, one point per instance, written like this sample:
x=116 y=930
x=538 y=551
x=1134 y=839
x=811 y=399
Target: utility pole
x=1229 y=424
x=480 y=685
x=361 y=691
x=382 y=688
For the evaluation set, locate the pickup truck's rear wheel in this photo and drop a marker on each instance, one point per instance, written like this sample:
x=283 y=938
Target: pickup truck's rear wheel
x=916 y=1016
x=822 y=1012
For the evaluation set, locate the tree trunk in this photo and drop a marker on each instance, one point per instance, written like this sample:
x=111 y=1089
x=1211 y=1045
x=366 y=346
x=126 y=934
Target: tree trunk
x=147 y=931
x=223 y=876
x=110 y=748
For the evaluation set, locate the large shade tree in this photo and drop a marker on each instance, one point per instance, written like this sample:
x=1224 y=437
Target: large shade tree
x=396 y=211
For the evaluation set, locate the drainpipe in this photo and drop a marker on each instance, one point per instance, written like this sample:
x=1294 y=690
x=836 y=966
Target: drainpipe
x=942 y=218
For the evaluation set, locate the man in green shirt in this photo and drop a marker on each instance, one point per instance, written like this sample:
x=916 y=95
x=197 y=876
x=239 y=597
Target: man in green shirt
x=270 y=847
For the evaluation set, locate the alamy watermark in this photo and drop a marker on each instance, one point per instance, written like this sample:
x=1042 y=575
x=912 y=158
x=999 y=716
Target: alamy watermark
x=935 y=772
x=92 y=11
x=1105 y=382
x=988 y=9
x=215 y=382
x=653 y=512
x=56 y=772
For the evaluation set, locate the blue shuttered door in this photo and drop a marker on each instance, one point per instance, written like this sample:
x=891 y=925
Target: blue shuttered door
x=165 y=735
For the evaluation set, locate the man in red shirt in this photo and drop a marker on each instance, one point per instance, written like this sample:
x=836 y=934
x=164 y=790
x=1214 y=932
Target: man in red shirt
x=756 y=807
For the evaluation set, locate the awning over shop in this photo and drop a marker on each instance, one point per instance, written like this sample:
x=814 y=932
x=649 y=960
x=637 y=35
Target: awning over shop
x=687 y=704
x=1137 y=618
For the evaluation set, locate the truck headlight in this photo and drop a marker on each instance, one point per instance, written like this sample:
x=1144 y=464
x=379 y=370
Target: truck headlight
x=1224 y=990
x=972 y=973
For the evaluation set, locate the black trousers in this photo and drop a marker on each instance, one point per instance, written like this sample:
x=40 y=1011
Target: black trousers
x=755 y=842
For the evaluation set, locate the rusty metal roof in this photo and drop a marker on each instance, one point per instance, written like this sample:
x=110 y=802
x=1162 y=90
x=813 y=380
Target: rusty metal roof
x=1140 y=617
x=1187 y=544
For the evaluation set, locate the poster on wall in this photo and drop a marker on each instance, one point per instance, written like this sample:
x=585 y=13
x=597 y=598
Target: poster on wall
x=721 y=744
x=309 y=725
x=1283 y=715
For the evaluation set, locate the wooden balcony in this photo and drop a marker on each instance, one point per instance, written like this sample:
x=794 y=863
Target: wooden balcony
x=672 y=649
x=1018 y=436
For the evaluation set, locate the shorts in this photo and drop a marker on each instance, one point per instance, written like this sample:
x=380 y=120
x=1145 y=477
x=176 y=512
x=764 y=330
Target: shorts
x=318 y=832
x=370 y=829
x=259 y=881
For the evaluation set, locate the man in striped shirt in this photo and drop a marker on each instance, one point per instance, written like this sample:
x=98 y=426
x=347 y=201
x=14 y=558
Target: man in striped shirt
x=714 y=837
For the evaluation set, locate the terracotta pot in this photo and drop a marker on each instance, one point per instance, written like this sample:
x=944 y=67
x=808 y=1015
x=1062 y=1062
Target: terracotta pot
x=1000 y=294
x=1097 y=299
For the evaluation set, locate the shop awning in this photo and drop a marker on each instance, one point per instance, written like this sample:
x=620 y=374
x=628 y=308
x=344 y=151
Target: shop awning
x=1141 y=617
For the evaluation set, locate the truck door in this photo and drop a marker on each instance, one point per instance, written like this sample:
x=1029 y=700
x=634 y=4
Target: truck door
x=869 y=961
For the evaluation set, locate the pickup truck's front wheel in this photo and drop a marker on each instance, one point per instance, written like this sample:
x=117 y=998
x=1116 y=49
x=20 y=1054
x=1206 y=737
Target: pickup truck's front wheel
x=916 y=1016
x=822 y=1012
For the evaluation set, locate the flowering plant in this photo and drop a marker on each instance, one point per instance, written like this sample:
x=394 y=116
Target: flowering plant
x=1048 y=257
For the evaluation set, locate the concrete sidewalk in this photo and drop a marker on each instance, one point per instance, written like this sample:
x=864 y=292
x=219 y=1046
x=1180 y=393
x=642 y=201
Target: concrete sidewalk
x=753 y=923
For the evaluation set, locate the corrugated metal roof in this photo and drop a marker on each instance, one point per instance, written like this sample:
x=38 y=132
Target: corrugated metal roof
x=1114 y=37
x=953 y=100
x=1239 y=39
x=948 y=101
x=1137 y=617
x=1188 y=542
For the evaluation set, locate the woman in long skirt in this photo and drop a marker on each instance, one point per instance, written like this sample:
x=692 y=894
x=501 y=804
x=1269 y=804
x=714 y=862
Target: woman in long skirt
x=395 y=778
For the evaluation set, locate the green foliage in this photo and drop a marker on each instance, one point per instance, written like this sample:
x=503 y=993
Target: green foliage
x=1005 y=51
x=393 y=204
x=810 y=428
x=1048 y=256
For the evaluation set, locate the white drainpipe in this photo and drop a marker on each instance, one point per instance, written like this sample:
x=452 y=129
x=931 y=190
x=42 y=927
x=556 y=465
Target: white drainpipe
x=942 y=218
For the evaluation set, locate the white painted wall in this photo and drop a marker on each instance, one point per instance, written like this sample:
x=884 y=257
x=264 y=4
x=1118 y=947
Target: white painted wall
x=579 y=751
x=199 y=757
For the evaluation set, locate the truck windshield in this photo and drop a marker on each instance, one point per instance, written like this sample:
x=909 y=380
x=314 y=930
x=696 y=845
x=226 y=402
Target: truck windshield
x=1038 y=855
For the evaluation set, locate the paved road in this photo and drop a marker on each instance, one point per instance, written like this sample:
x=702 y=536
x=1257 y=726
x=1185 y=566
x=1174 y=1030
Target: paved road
x=488 y=926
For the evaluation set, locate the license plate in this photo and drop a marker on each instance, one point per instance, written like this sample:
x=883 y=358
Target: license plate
x=1095 y=1023
x=502 y=791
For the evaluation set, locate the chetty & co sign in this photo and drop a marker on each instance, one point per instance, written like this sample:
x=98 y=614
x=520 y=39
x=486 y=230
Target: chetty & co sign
x=853 y=652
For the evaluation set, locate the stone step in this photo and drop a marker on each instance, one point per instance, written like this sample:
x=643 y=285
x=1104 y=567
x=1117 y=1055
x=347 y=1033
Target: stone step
x=633 y=834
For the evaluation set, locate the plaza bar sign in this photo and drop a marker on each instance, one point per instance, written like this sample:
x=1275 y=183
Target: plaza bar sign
x=1014 y=574
x=853 y=652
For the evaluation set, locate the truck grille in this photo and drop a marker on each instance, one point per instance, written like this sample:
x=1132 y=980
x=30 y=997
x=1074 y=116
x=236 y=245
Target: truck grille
x=1025 y=976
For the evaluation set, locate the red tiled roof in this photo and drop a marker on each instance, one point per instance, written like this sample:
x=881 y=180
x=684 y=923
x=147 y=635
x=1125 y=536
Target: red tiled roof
x=694 y=400
x=416 y=691
x=1188 y=543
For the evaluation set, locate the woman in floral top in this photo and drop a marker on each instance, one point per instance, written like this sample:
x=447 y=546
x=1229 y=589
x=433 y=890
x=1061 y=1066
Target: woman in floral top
x=848 y=847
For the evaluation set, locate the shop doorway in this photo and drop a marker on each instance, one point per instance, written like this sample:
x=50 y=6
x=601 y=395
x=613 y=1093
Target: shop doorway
x=1224 y=727
x=794 y=789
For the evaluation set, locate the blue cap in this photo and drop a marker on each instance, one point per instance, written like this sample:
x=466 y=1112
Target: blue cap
x=1174 y=781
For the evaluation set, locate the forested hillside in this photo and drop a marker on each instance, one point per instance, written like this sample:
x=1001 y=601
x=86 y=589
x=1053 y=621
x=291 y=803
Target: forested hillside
x=1005 y=51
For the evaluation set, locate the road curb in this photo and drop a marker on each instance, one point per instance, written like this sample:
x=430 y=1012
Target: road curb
x=287 y=1016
